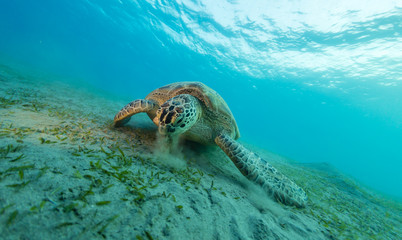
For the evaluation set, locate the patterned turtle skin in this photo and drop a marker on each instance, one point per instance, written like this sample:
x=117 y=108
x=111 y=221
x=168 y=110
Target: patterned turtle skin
x=198 y=113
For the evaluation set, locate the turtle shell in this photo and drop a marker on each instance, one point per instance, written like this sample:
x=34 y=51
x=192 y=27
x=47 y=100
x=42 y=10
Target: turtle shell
x=210 y=98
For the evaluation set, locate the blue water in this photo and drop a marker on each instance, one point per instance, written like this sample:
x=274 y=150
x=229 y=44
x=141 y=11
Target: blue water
x=313 y=81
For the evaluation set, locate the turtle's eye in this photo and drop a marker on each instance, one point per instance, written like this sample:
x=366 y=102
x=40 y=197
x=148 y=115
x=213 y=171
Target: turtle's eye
x=179 y=109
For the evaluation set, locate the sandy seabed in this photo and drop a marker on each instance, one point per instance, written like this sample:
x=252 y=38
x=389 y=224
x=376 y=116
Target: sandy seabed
x=66 y=173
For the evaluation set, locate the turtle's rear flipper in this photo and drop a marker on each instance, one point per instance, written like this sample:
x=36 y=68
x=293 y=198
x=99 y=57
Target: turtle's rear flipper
x=259 y=171
x=136 y=106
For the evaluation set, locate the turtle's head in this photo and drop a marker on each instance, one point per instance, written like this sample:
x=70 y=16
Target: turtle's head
x=178 y=114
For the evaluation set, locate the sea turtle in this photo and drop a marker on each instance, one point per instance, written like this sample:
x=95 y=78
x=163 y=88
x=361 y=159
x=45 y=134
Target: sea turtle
x=200 y=114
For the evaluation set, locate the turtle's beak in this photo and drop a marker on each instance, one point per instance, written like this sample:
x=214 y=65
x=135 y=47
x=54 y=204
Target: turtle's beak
x=162 y=130
x=166 y=129
x=165 y=120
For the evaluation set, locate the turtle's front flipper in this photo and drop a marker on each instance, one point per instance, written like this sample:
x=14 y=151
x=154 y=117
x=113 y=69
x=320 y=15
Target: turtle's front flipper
x=259 y=171
x=136 y=106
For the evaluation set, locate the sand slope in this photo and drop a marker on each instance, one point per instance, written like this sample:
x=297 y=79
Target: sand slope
x=65 y=173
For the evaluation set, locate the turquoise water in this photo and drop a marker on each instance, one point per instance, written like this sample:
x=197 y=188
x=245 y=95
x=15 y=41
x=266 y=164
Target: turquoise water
x=314 y=81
